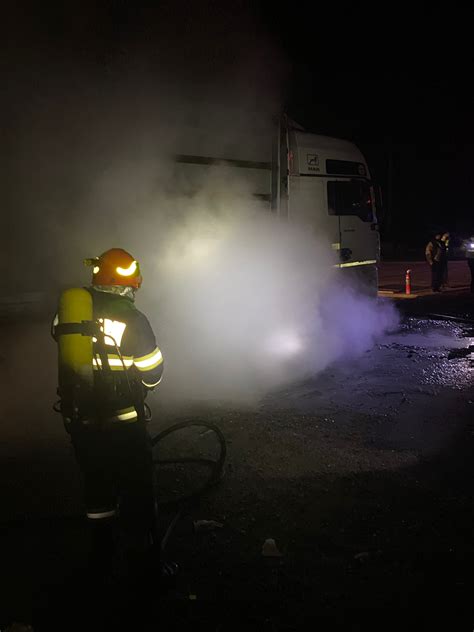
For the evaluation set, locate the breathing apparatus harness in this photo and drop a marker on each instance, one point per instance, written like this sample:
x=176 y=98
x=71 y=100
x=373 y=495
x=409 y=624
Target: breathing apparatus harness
x=79 y=403
x=85 y=399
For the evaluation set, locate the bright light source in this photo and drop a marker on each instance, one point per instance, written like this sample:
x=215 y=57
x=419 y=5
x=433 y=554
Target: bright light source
x=284 y=343
x=200 y=248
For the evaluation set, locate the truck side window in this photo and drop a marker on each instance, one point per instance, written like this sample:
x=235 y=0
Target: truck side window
x=351 y=198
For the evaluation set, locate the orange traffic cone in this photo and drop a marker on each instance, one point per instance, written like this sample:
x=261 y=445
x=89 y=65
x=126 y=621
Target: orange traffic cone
x=408 y=282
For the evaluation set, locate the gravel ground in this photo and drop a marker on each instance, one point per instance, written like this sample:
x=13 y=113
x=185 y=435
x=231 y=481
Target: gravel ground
x=362 y=476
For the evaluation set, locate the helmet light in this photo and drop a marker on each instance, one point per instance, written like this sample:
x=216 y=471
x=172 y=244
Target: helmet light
x=126 y=272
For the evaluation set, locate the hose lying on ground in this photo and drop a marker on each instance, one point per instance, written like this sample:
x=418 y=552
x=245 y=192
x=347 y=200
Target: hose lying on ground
x=216 y=467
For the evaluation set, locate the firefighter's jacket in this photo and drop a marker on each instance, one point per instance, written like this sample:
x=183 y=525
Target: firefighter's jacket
x=434 y=251
x=129 y=362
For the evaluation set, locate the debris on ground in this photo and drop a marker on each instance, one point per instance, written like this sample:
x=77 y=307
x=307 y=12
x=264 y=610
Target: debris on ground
x=206 y=525
x=270 y=549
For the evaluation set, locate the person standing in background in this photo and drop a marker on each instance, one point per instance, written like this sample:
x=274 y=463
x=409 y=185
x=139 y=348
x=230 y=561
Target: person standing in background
x=444 y=259
x=433 y=254
x=469 y=250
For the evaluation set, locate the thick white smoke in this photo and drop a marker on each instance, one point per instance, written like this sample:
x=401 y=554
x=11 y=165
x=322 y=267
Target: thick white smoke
x=243 y=301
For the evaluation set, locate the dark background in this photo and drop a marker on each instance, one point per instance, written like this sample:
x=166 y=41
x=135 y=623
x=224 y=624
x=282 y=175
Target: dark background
x=394 y=79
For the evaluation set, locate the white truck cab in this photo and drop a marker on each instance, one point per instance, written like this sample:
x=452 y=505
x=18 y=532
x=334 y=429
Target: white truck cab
x=328 y=188
x=321 y=182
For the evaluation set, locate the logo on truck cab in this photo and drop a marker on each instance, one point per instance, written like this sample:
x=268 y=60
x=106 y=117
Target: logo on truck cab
x=312 y=161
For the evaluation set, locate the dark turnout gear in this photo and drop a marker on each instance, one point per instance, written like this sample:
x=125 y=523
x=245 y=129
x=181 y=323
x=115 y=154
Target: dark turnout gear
x=131 y=358
x=110 y=438
x=125 y=361
x=436 y=275
x=108 y=426
x=434 y=256
x=444 y=242
x=433 y=251
x=470 y=263
x=469 y=250
x=116 y=462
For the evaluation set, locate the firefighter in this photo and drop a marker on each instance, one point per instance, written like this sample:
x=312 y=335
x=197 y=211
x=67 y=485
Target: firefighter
x=444 y=241
x=108 y=429
x=469 y=250
x=434 y=253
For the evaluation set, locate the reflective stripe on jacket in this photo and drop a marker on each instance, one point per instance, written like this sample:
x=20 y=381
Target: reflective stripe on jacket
x=131 y=351
x=129 y=358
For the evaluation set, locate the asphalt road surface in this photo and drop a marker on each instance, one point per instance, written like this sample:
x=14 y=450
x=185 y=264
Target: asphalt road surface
x=362 y=476
x=392 y=275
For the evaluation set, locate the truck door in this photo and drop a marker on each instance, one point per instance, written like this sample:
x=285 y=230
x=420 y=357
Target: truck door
x=308 y=207
x=352 y=202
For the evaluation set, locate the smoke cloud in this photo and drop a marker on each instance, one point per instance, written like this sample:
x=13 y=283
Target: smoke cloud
x=241 y=302
x=245 y=302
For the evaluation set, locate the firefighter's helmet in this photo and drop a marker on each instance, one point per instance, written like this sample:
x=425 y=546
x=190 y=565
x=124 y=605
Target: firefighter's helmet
x=115 y=267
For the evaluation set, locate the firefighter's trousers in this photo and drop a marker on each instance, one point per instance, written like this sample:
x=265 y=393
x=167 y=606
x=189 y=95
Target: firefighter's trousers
x=117 y=467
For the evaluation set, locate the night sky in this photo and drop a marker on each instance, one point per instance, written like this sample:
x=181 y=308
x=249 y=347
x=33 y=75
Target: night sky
x=395 y=80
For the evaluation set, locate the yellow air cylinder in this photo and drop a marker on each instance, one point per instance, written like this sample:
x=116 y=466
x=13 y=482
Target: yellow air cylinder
x=75 y=349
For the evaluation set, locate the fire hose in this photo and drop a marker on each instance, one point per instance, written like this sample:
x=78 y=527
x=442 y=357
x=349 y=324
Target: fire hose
x=216 y=468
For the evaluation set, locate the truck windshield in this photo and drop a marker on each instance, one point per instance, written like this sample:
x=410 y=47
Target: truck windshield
x=351 y=198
